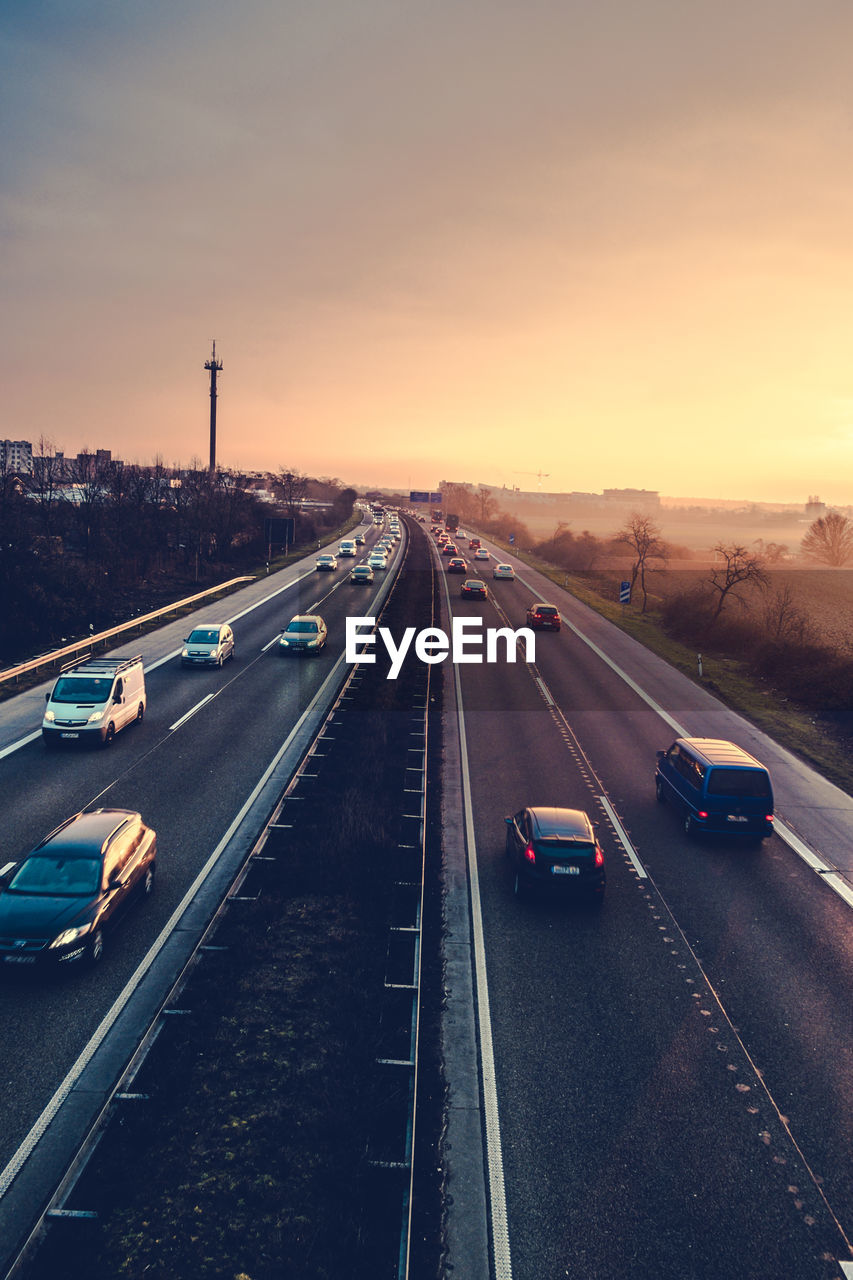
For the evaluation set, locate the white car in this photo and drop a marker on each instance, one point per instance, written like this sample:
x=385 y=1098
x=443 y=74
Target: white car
x=328 y=563
x=481 y=554
x=377 y=561
x=504 y=571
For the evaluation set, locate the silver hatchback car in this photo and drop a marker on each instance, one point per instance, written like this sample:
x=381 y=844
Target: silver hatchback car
x=208 y=645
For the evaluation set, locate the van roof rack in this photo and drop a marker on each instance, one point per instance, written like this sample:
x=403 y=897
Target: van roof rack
x=104 y=665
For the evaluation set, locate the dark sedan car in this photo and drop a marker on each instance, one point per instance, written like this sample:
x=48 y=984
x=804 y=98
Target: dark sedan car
x=456 y=565
x=543 y=617
x=473 y=589
x=555 y=850
x=58 y=903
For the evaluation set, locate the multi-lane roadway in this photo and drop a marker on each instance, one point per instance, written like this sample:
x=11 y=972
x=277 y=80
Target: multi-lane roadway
x=668 y=1082
x=663 y=1088
x=204 y=769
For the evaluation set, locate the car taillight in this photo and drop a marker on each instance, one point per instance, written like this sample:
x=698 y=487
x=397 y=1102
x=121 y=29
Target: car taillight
x=599 y=856
x=768 y=817
x=530 y=854
x=701 y=814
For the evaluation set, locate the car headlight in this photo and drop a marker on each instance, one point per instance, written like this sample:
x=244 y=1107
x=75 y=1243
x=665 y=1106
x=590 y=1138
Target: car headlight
x=96 y=715
x=49 y=715
x=185 y=653
x=70 y=935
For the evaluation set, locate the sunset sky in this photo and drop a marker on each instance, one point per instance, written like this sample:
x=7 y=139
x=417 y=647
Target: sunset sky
x=611 y=242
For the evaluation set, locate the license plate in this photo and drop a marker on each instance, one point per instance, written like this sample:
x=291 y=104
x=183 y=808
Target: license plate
x=19 y=959
x=69 y=735
x=559 y=869
x=736 y=817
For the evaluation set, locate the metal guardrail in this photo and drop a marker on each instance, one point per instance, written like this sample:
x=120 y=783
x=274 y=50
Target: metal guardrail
x=57 y=655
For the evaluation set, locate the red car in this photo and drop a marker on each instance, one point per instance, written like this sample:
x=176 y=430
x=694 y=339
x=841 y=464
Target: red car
x=457 y=565
x=474 y=543
x=473 y=589
x=543 y=617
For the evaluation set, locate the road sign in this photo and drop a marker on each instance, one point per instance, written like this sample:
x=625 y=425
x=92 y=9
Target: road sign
x=419 y=495
x=512 y=539
x=624 y=593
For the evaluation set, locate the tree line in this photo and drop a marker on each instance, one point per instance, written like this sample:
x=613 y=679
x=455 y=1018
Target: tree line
x=88 y=542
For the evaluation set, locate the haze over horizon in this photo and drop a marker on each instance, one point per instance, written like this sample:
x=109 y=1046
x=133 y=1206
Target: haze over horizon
x=609 y=244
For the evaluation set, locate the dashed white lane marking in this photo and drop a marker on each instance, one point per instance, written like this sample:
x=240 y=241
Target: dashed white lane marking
x=623 y=837
x=189 y=714
x=545 y=691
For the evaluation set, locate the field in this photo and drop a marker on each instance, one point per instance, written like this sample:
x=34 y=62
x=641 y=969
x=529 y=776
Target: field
x=824 y=597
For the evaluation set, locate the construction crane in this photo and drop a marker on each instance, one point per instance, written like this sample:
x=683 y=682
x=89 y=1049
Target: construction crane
x=542 y=475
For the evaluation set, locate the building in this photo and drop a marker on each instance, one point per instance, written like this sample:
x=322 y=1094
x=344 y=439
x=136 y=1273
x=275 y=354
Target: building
x=16 y=456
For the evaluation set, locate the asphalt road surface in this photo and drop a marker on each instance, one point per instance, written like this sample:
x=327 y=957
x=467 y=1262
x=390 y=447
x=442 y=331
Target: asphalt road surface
x=673 y=1075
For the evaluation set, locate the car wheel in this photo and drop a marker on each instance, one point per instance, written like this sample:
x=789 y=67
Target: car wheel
x=689 y=825
x=110 y=734
x=96 y=946
x=659 y=791
x=140 y=714
x=519 y=888
x=148 y=881
x=220 y=661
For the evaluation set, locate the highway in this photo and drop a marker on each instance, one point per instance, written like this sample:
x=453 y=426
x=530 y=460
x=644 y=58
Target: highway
x=666 y=1084
x=192 y=769
x=673 y=1079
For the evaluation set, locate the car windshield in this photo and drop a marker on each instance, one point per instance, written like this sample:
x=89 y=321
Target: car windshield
x=302 y=626
x=204 y=635
x=83 y=689
x=738 y=782
x=57 y=876
x=546 y=609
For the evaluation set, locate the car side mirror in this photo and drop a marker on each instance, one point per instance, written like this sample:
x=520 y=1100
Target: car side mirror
x=47 y=696
x=660 y=755
x=508 y=821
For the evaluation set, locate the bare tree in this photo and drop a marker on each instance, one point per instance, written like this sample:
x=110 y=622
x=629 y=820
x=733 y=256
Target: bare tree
x=643 y=536
x=487 y=503
x=784 y=619
x=829 y=540
x=293 y=487
x=739 y=569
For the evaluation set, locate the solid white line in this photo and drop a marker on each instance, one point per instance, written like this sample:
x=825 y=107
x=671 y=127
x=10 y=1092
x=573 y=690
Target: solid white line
x=22 y=742
x=35 y=1134
x=623 y=838
x=189 y=714
x=494 y=1156
x=847 y=1268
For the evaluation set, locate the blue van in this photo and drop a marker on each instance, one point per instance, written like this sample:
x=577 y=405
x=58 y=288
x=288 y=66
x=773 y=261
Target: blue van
x=717 y=786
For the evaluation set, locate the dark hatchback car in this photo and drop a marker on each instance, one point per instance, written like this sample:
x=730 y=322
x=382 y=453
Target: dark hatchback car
x=59 y=902
x=555 y=850
x=456 y=565
x=543 y=617
x=473 y=589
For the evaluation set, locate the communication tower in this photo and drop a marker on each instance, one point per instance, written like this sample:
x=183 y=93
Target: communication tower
x=214 y=366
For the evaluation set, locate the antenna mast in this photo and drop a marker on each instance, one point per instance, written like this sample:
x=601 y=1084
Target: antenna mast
x=214 y=366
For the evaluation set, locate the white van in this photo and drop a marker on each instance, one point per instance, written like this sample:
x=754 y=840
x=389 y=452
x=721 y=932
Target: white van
x=348 y=548
x=94 y=698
